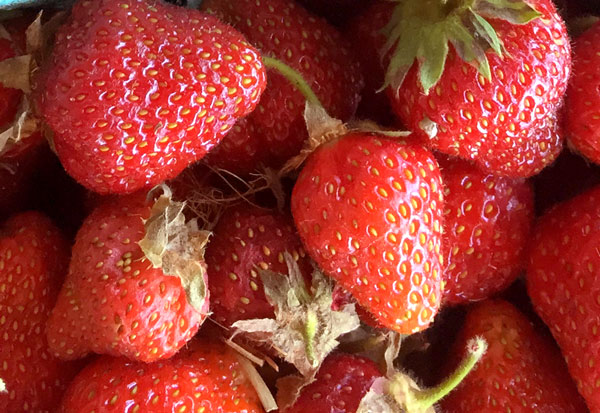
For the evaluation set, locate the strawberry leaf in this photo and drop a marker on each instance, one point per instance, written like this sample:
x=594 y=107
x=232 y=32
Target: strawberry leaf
x=177 y=247
x=419 y=32
x=513 y=11
x=305 y=328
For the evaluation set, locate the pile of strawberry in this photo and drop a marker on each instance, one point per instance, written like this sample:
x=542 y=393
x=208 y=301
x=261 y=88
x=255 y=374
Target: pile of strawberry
x=322 y=205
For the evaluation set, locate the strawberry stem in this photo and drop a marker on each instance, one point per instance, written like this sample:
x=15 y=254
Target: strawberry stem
x=294 y=77
x=425 y=399
x=310 y=332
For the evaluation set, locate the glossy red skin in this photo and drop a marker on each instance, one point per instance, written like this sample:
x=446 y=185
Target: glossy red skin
x=582 y=120
x=276 y=130
x=117 y=125
x=506 y=125
x=564 y=287
x=206 y=377
x=521 y=371
x=247 y=238
x=369 y=212
x=341 y=383
x=487 y=220
x=33 y=260
x=9 y=98
x=364 y=32
x=113 y=301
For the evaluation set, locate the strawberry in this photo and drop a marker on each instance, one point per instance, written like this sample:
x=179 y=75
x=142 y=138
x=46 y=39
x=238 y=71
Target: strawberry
x=563 y=285
x=486 y=227
x=245 y=240
x=284 y=30
x=9 y=97
x=207 y=377
x=369 y=212
x=582 y=118
x=481 y=80
x=341 y=383
x=137 y=90
x=522 y=370
x=136 y=283
x=33 y=259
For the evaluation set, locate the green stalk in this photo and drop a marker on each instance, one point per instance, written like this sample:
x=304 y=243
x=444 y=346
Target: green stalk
x=425 y=399
x=293 y=77
x=310 y=332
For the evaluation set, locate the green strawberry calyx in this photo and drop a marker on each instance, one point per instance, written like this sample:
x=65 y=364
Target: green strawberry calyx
x=305 y=328
x=400 y=393
x=177 y=247
x=422 y=30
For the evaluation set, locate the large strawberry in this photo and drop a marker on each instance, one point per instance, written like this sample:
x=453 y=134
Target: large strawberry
x=582 y=121
x=136 y=90
x=206 y=377
x=369 y=212
x=486 y=229
x=522 y=370
x=136 y=284
x=481 y=79
x=246 y=240
x=33 y=260
x=564 y=286
x=284 y=30
x=341 y=383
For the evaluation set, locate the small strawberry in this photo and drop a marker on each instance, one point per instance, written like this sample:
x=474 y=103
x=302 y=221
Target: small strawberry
x=486 y=228
x=137 y=90
x=341 y=383
x=284 y=30
x=33 y=260
x=248 y=239
x=369 y=211
x=136 y=284
x=582 y=121
x=522 y=371
x=206 y=377
x=563 y=283
x=481 y=79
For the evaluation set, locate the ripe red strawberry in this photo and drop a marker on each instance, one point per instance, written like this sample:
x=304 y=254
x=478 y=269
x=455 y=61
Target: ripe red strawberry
x=121 y=297
x=206 y=378
x=33 y=260
x=136 y=90
x=284 y=30
x=341 y=383
x=489 y=79
x=245 y=240
x=582 y=118
x=522 y=370
x=486 y=229
x=563 y=285
x=369 y=212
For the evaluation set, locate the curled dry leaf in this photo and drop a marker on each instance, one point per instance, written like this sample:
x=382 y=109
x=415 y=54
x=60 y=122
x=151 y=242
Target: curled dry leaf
x=177 y=247
x=23 y=127
x=305 y=329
